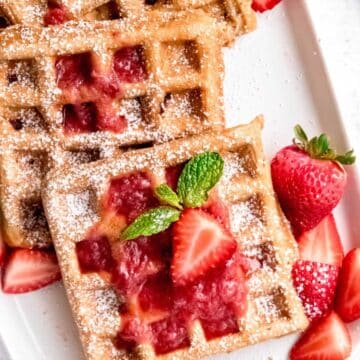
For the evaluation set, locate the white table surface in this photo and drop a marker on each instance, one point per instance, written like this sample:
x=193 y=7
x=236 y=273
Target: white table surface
x=337 y=22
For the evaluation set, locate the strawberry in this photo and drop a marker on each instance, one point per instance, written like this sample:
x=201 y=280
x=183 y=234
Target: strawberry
x=263 y=5
x=347 y=302
x=315 y=275
x=200 y=242
x=28 y=270
x=2 y=250
x=315 y=284
x=309 y=179
x=326 y=339
x=322 y=243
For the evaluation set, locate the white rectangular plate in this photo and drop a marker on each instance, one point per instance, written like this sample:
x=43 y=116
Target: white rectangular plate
x=278 y=71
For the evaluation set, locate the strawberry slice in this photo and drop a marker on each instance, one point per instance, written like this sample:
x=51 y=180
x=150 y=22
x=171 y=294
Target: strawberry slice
x=347 y=302
x=322 y=243
x=200 y=242
x=263 y=5
x=28 y=270
x=2 y=250
x=315 y=284
x=326 y=339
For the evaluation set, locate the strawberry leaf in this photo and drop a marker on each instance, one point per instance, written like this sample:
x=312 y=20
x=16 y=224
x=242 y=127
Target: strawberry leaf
x=198 y=177
x=318 y=147
x=322 y=144
x=300 y=134
x=151 y=222
x=166 y=195
x=346 y=159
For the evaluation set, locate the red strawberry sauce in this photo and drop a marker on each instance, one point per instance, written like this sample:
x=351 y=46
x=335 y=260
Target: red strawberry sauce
x=56 y=14
x=153 y=309
x=90 y=91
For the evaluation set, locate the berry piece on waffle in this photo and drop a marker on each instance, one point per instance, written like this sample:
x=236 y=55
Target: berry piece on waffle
x=200 y=243
x=136 y=309
x=235 y=16
x=316 y=273
x=66 y=101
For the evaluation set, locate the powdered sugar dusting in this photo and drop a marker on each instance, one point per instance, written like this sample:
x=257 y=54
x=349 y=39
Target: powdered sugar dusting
x=270 y=292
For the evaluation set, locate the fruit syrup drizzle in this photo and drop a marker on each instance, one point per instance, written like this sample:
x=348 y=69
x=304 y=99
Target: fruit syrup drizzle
x=154 y=309
x=90 y=92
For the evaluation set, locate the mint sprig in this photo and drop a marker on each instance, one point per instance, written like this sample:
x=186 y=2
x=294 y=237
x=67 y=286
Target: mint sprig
x=151 y=222
x=319 y=147
x=198 y=177
x=168 y=196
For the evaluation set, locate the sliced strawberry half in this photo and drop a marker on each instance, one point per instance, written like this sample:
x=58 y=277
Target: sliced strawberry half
x=200 y=242
x=263 y=5
x=347 y=302
x=315 y=284
x=322 y=243
x=28 y=270
x=326 y=339
x=2 y=250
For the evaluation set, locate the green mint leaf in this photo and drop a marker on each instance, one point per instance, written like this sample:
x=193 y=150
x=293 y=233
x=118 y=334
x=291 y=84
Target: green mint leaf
x=151 y=222
x=198 y=177
x=165 y=194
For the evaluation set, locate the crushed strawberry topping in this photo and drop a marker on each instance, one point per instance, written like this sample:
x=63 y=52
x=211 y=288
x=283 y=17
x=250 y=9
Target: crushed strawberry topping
x=155 y=309
x=83 y=80
x=56 y=14
x=136 y=260
x=80 y=118
x=217 y=299
x=172 y=175
x=218 y=209
x=94 y=254
x=131 y=195
x=129 y=65
x=73 y=70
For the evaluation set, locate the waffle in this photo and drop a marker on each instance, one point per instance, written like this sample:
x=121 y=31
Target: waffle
x=237 y=15
x=72 y=200
x=181 y=95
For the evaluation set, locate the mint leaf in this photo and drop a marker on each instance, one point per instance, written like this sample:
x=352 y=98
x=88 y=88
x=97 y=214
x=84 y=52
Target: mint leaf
x=165 y=194
x=151 y=222
x=198 y=177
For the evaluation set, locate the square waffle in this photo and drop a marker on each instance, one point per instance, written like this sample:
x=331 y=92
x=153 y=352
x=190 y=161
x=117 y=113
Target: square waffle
x=180 y=94
x=237 y=15
x=72 y=201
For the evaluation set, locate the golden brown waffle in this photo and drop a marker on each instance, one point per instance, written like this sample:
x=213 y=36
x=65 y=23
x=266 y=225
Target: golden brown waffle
x=72 y=199
x=236 y=14
x=182 y=95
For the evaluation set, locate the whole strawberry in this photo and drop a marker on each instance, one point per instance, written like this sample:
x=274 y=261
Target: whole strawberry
x=309 y=179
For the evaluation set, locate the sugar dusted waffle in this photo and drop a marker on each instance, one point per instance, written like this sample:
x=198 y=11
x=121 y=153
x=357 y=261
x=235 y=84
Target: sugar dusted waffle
x=236 y=15
x=81 y=91
x=76 y=203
